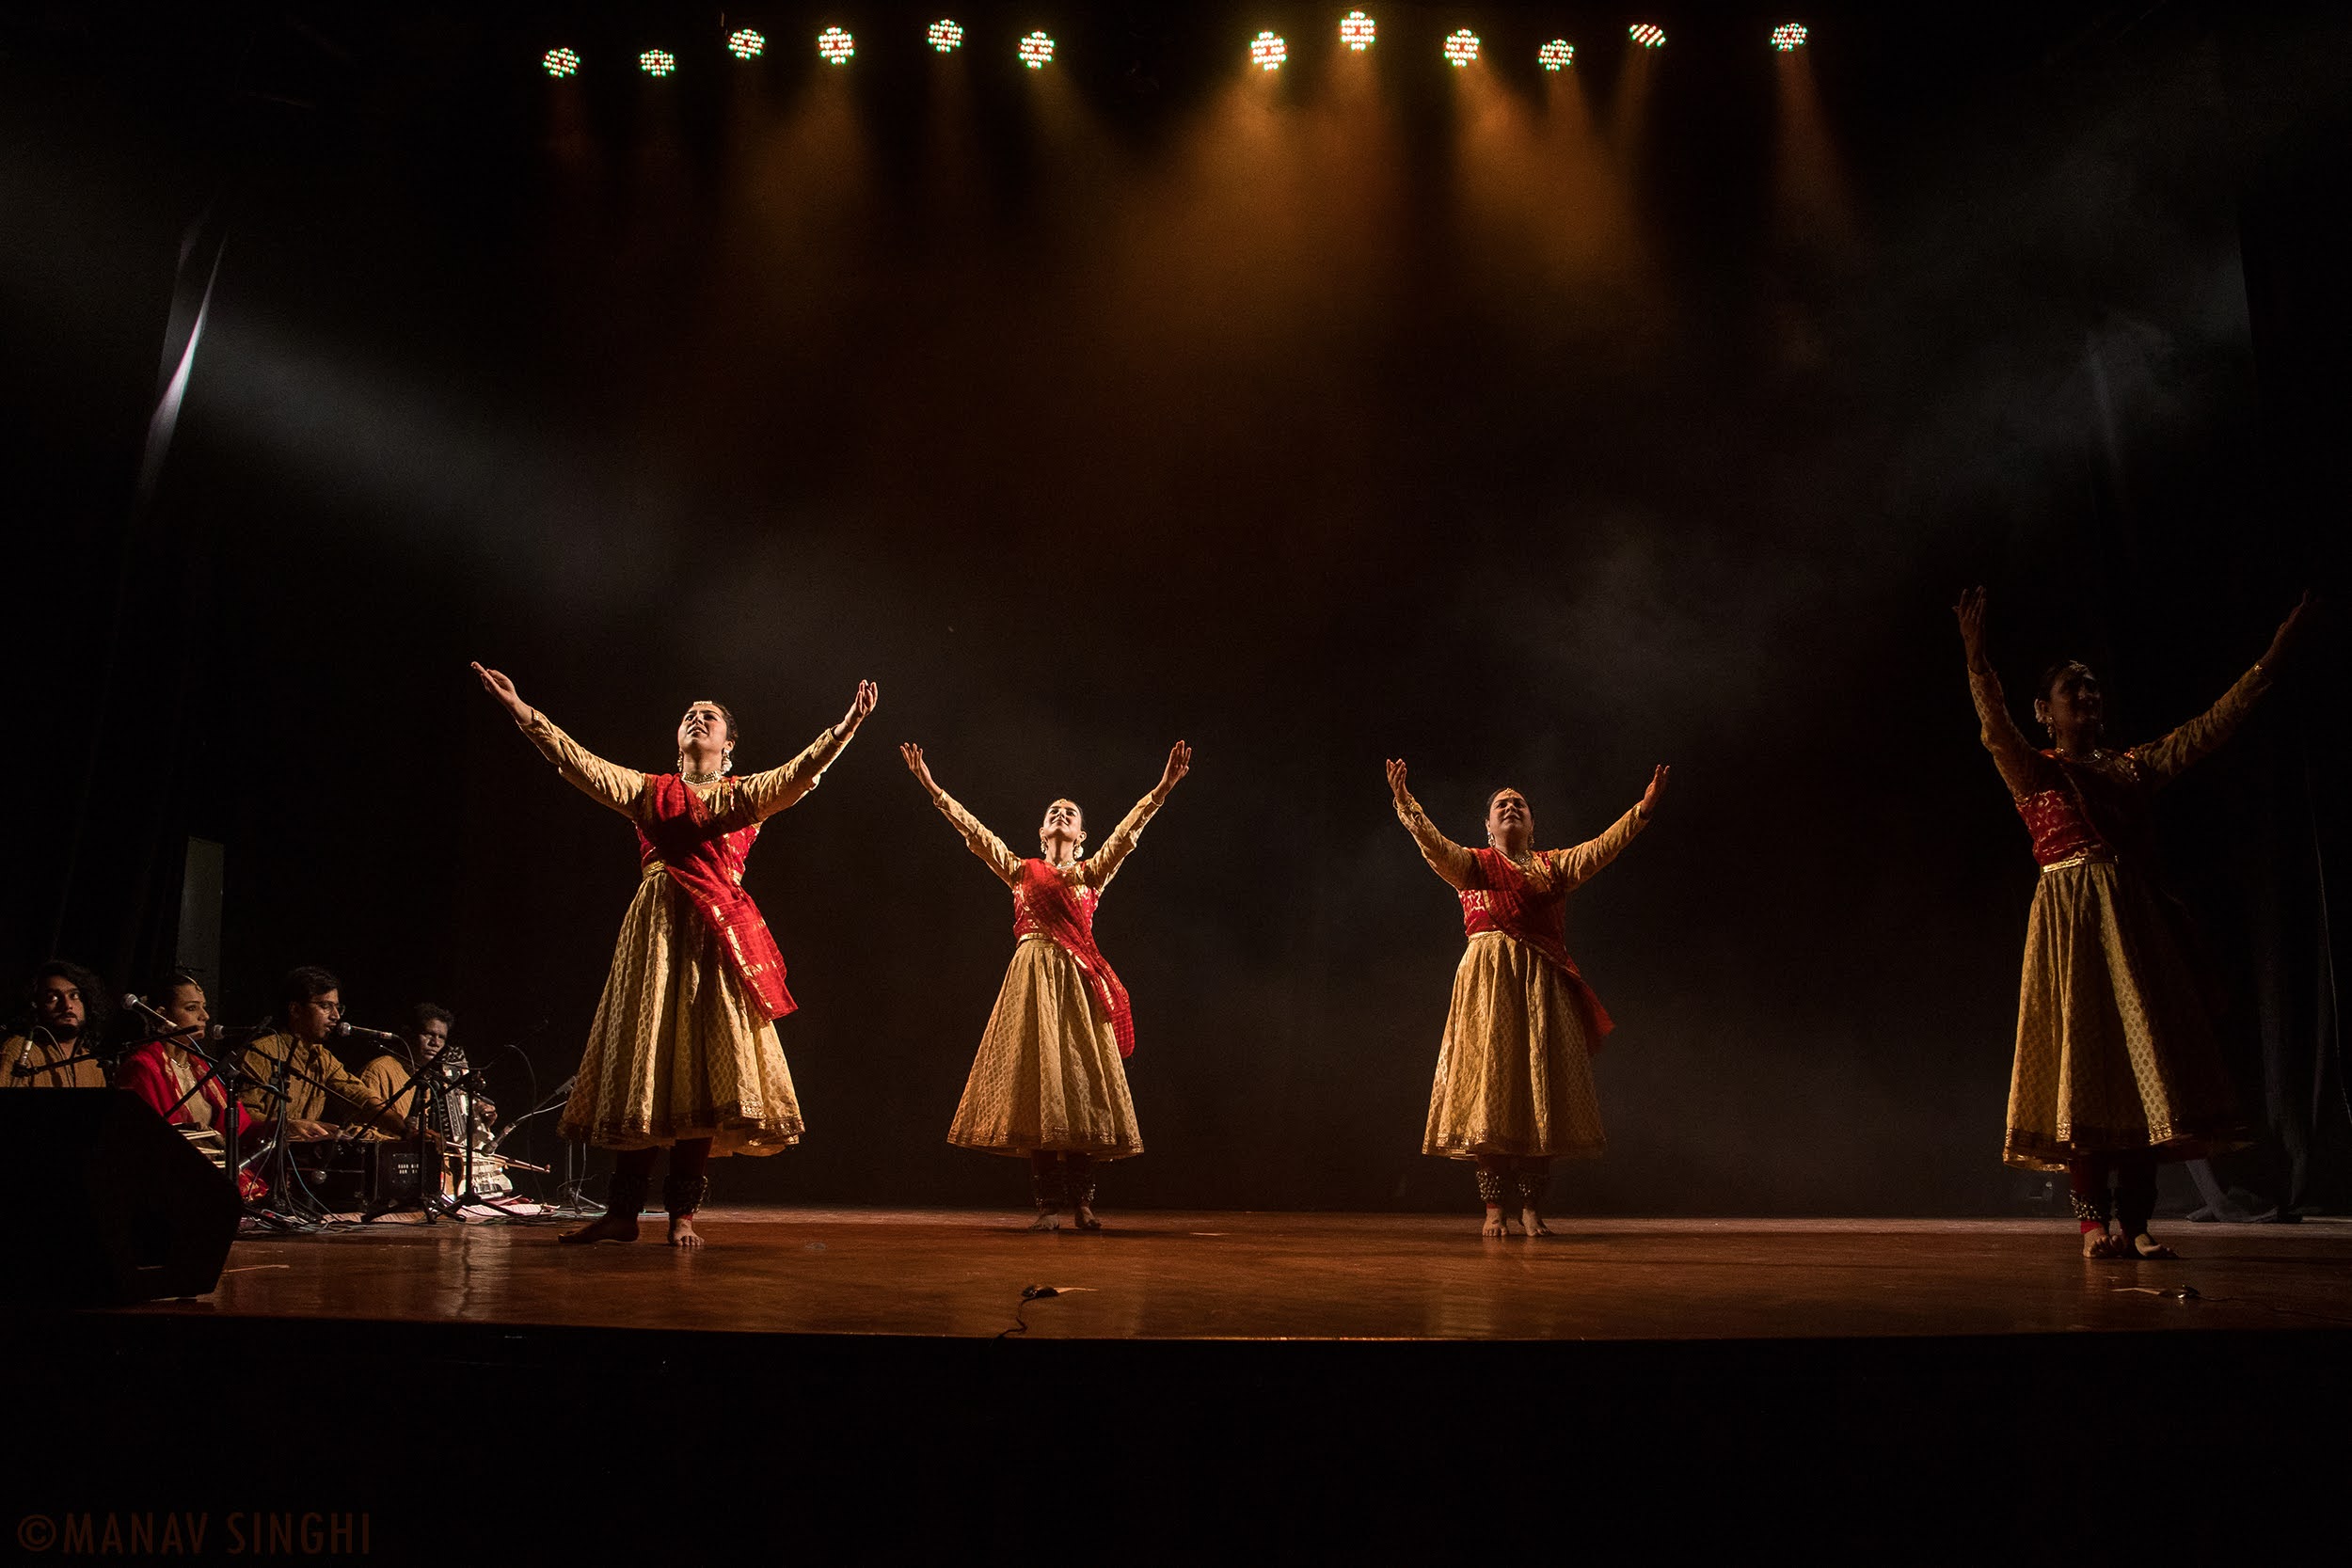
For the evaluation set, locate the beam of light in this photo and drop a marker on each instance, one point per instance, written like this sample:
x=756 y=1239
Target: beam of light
x=1788 y=36
x=1814 y=211
x=657 y=62
x=1461 y=47
x=746 y=45
x=1558 y=55
x=1035 y=50
x=946 y=36
x=559 y=63
x=1355 y=31
x=836 y=45
x=1267 y=52
x=1648 y=35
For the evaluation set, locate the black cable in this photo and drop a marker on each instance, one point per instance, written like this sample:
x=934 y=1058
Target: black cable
x=1020 y=1313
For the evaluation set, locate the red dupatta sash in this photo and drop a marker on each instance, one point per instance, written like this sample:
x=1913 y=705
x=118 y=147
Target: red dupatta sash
x=1535 y=916
x=1043 y=902
x=706 y=864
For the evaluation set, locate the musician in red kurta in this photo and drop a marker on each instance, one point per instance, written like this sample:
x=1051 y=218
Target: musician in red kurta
x=1514 y=1088
x=682 y=1054
x=164 y=1072
x=1048 y=1082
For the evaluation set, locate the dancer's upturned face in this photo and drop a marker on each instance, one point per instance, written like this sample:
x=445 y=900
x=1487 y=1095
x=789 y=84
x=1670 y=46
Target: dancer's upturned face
x=1509 y=824
x=703 y=733
x=1064 y=824
x=2074 y=708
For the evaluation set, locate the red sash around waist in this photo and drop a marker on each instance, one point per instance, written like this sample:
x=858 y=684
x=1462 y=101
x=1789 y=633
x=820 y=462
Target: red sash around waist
x=682 y=833
x=1044 y=903
x=1535 y=916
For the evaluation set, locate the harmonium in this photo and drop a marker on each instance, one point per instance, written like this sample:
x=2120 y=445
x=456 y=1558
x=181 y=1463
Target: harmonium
x=350 y=1176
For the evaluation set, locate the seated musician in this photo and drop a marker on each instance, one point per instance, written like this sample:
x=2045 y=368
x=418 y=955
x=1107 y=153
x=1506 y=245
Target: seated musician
x=389 y=1076
x=56 y=1049
x=180 y=1084
x=320 y=1091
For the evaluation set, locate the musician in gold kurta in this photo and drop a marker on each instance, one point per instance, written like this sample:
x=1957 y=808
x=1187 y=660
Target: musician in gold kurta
x=682 y=1053
x=2118 y=1063
x=1514 y=1085
x=1049 y=1083
x=69 y=1005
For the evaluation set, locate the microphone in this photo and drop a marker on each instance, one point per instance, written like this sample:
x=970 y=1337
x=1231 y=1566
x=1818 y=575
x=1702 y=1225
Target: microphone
x=25 y=1060
x=341 y=1028
x=171 y=1031
x=241 y=1033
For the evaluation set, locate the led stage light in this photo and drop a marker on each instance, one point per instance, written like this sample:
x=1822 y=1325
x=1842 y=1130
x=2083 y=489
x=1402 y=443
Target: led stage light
x=1266 y=51
x=1789 y=37
x=1355 y=31
x=745 y=45
x=1035 y=50
x=947 y=38
x=1461 y=48
x=560 y=63
x=836 y=45
x=1649 y=35
x=657 y=62
x=1558 y=55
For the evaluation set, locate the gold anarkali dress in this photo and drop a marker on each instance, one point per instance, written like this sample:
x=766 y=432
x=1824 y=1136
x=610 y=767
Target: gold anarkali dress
x=1048 y=1075
x=679 y=1047
x=1515 y=1072
x=2116 y=1048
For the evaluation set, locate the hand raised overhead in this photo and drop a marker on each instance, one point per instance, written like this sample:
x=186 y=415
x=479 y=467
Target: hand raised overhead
x=1649 y=808
x=861 y=705
x=1178 y=764
x=1970 y=613
x=916 y=764
x=2290 y=632
x=498 y=686
x=1396 y=781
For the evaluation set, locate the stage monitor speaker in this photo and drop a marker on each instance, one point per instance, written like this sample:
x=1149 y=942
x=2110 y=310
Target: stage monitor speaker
x=109 y=1204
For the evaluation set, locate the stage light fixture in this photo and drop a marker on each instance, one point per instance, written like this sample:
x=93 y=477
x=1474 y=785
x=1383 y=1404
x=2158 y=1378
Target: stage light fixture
x=560 y=63
x=1789 y=37
x=836 y=45
x=1035 y=50
x=745 y=45
x=1558 y=55
x=1649 y=35
x=1355 y=31
x=657 y=62
x=1267 y=52
x=1461 y=48
x=947 y=38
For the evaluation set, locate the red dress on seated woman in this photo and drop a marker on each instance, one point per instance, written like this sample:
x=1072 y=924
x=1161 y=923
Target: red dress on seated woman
x=154 y=1074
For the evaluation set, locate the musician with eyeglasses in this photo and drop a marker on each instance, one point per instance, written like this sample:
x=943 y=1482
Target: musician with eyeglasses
x=323 y=1098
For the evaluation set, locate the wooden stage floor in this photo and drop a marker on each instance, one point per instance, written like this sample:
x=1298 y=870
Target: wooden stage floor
x=1167 y=1275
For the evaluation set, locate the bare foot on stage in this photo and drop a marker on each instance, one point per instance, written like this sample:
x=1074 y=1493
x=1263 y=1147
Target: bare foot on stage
x=2098 y=1244
x=612 y=1228
x=1083 y=1218
x=2146 y=1247
x=1494 y=1224
x=1533 y=1223
x=1045 y=1222
x=682 y=1231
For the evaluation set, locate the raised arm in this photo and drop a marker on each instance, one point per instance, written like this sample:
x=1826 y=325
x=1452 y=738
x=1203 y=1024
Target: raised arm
x=1573 y=866
x=977 y=838
x=2022 y=767
x=1098 y=869
x=764 y=793
x=2165 y=760
x=1449 y=860
x=601 y=782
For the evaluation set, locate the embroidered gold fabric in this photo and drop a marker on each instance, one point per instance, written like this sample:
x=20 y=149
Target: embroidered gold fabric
x=678 y=1049
x=2116 y=1049
x=1048 y=1075
x=1515 y=1068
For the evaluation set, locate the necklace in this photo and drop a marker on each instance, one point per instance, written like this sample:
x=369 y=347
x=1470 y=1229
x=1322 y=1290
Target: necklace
x=702 y=778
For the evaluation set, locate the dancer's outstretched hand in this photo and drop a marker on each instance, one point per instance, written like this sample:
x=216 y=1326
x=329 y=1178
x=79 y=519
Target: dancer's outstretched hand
x=499 y=686
x=1178 y=764
x=1396 y=782
x=916 y=765
x=1649 y=808
x=2290 y=631
x=868 y=694
x=1970 y=613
